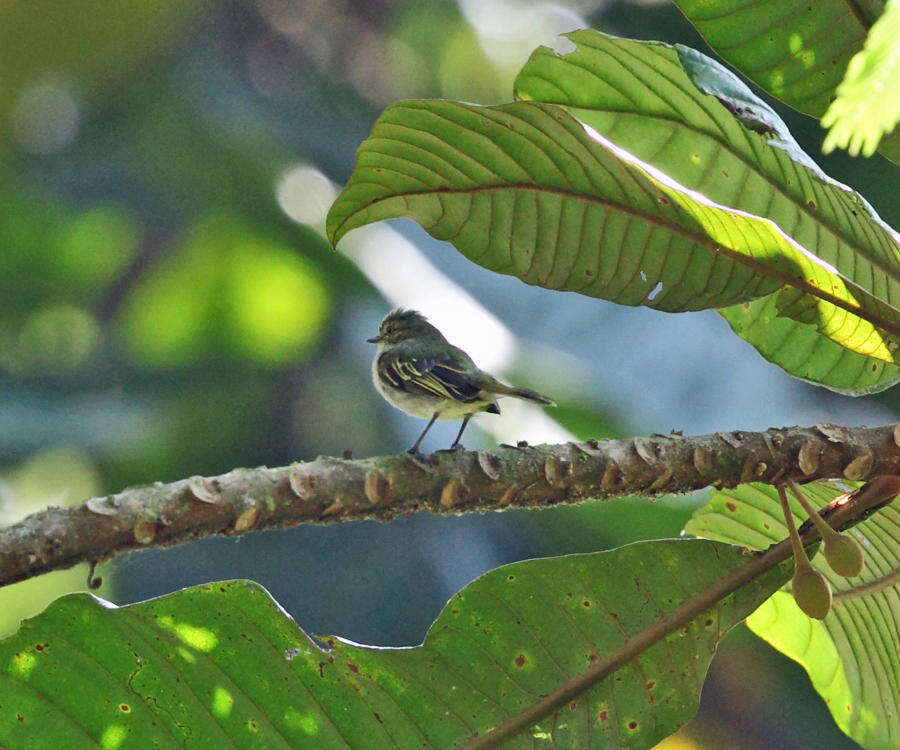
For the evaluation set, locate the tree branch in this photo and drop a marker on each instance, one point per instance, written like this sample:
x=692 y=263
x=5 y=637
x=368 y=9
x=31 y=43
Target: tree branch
x=329 y=489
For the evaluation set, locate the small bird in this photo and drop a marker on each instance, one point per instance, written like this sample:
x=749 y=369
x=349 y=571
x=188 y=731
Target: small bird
x=419 y=372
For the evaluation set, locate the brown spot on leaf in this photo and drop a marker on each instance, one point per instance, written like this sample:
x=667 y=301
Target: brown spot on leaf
x=731 y=506
x=632 y=725
x=603 y=716
x=586 y=603
x=125 y=708
x=377 y=717
x=352 y=667
x=520 y=660
x=573 y=706
x=649 y=685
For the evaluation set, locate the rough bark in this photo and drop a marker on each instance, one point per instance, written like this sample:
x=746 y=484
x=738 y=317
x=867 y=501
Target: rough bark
x=329 y=490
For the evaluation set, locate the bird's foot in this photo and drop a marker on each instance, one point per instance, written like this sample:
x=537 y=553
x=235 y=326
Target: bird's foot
x=420 y=459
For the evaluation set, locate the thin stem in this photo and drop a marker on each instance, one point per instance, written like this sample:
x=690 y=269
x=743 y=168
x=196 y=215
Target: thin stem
x=800 y=557
x=825 y=531
x=872 y=587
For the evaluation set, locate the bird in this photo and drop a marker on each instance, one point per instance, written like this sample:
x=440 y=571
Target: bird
x=420 y=373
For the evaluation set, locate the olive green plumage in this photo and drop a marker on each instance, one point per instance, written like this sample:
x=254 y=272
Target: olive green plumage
x=418 y=371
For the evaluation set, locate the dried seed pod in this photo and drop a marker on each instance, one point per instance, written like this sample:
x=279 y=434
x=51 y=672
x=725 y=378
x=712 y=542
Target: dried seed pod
x=843 y=555
x=811 y=591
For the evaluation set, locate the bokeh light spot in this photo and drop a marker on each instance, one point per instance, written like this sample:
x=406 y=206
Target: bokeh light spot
x=97 y=244
x=279 y=302
x=45 y=116
x=57 y=339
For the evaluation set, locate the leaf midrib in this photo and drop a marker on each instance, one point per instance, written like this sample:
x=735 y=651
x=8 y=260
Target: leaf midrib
x=700 y=239
x=851 y=242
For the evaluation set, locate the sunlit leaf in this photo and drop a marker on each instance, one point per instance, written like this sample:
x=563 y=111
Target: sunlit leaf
x=853 y=655
x=802 y=351
x=525 y=189
x=222 y=662
x=868 y=99
x=687 y=115
x=797 y=50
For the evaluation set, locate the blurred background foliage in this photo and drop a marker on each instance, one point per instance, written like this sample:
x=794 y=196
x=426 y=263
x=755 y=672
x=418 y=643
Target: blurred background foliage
x=168 y=306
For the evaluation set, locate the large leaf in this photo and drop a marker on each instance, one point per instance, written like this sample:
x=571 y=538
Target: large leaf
x=675 y=108
x=797 y=50
x=862 y=114
x=802 y=351
x=853 y=655
x=223 y=665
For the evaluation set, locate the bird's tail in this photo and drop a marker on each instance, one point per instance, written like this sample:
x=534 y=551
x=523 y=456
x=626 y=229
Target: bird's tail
x=510 y=390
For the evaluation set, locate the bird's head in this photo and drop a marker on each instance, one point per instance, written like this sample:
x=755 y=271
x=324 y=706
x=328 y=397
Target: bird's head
x=402 y=325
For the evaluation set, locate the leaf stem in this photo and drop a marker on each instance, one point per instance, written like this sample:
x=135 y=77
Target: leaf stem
x=871 y=587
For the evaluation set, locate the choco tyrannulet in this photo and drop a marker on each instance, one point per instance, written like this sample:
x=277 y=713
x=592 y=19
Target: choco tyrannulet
x=419 y=372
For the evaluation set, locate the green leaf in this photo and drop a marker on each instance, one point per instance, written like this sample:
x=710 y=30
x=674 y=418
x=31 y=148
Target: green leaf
x=868 y=99
x=853 y=655
x=797 y=50
x=687 y=115
x=802 y=351
x=222 y=664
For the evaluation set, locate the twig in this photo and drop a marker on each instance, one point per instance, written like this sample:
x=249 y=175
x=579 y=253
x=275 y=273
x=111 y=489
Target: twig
x=871 y=587
x=330 y=490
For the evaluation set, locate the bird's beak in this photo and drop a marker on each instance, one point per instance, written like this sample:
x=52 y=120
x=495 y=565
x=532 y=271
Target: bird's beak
x=374 y=339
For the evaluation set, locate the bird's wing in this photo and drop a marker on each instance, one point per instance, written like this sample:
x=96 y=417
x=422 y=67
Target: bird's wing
x=444 y=375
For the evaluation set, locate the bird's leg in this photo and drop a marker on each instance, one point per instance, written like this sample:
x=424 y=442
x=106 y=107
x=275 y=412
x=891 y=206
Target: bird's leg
x=461 y=430
x=414 y=451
